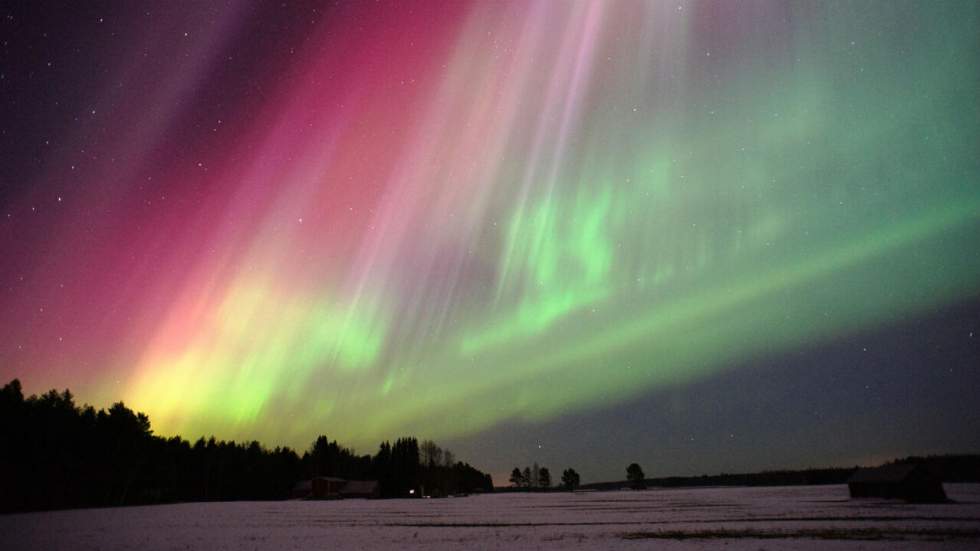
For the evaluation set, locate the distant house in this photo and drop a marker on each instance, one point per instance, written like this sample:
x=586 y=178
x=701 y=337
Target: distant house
x=909 y=481
x=328 y=487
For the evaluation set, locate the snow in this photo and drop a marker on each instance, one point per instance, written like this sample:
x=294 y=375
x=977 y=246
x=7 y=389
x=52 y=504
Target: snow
x=804 y=517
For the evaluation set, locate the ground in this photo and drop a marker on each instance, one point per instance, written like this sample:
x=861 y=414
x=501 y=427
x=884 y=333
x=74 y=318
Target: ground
x=736 y=518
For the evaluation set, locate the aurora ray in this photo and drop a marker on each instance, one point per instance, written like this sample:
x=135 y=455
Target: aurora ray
x=456 y=216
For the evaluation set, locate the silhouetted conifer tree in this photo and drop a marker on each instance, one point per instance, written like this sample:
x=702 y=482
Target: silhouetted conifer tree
x=517 y=478
x=544 y=478
x=570 y=479
x=634 y=474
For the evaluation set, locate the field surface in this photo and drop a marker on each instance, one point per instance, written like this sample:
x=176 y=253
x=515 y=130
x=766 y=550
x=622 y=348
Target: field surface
x=809 y=517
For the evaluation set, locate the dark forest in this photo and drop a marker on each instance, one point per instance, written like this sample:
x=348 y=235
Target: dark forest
x=55 y=455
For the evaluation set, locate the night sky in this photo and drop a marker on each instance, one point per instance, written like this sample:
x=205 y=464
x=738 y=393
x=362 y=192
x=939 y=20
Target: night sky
x=705 y=237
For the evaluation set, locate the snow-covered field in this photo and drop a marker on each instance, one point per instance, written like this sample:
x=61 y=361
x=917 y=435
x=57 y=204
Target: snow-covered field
x=737 y=518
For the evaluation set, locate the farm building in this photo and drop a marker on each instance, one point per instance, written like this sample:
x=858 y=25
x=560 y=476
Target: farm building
x=328 y=487
x=908 y=481
x=360 y=488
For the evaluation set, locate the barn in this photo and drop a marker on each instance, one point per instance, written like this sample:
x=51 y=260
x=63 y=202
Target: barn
x=909 y=481
x=360 y=488
x=328 y=487
x=325 y=487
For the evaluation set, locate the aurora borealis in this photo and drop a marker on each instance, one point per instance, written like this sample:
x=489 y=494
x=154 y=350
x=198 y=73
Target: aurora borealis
x=455 y=220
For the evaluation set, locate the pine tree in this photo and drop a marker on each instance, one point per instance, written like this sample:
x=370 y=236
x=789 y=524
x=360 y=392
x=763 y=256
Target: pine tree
x=544 y=478
x=634 y=473
x=570 y=479
x=516 y=478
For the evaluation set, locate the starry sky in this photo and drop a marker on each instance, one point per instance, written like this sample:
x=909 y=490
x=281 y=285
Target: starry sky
x=703 y=236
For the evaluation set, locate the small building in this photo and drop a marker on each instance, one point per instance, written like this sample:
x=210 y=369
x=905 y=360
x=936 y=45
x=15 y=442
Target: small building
x=328 y=487
x=360 y=488
x=913 y=482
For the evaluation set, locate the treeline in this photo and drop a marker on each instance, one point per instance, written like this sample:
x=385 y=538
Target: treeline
x=536 y=478
x=531 y=478
x=54 y=454
x=949 y=468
